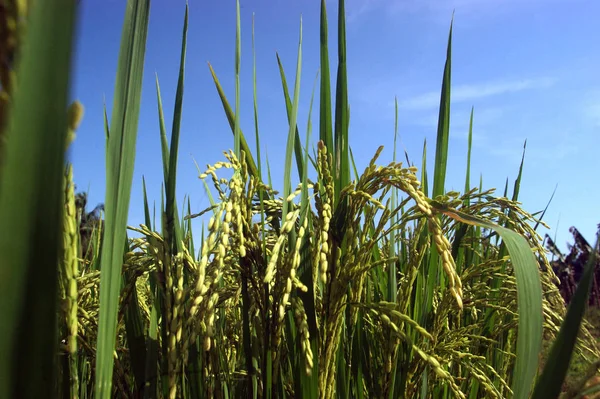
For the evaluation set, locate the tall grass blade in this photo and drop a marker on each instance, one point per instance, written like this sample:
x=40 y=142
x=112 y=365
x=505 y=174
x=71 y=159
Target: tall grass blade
x=462 y=230
x=173 y=227
x=189 y=232
x=537 y=224
x=341 y=158
x=252 y=169
x=300 y=164
x=151 y=366
x=287 y=187
x=251 y=388
x=517 y=186
x=435 y=276
x=31 y=203
x=269 y=179
x=147 y=219
x=164 y=143
x=119 y=174
x=255 y=104
x=257 y=136
x=443 y=130
x=325 y=129
x=238 y=57
x=392 y=283
x=424 y=178
x=469 y=147
x=106 y=127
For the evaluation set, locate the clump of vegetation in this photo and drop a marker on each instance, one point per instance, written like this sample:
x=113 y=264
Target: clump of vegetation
x=370 y=284
x=569 y=268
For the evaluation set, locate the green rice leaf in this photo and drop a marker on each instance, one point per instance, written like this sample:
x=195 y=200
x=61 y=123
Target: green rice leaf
x=392 y=282
x=255 y=104
x=288 y=106
x=341 y=157
x=119 y=174
x=537 y=224
x=443 y=131
x=164 y=144
x=238 y=59
x=517 y=186
x=252 y=169
x=287 y=187
x=434 y=275
x=325 y=129
x=106 y=125
x=147 y=219
x=469 y=147
x=529 y=299
x=424 y=179
x=31 y=205
x=173 y=227
x=261 y=195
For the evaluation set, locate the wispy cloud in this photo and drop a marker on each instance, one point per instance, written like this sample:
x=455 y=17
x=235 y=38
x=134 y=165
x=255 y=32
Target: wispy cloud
x=592 y=114
x=553 y=146
x=436 y=8
x=460 y=118
x=357 y=8
x=471 y=92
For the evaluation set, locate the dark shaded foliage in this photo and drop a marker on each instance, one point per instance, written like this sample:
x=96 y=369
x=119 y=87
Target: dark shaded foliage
x=89 y=223
x=569 y=268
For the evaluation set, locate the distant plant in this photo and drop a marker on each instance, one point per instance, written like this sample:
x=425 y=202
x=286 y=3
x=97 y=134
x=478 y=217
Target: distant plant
x=90 y=223
x=569 y=268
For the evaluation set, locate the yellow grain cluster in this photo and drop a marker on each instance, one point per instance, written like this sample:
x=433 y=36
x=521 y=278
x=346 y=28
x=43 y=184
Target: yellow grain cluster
x=302 y=324
x=324 y=163
x=70 y=259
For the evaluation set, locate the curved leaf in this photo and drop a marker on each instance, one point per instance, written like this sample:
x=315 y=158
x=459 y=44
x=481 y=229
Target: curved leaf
x=529 y=299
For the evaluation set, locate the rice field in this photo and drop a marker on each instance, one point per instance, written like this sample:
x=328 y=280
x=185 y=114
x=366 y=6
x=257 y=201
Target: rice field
x=338 y=282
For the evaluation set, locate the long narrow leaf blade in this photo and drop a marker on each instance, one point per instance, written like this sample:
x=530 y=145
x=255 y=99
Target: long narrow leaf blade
x=325 y=129
x=238 y=57
x=341 y=108
x=287 y=187
x=529 y=299
x=31 y=203
x=173 y=227
x=443 y=132
x=288 y=106
x=550 y=382
x=252 y=169
x=119 y=175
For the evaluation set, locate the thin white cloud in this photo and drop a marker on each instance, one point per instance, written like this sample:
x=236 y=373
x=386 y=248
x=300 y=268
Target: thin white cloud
x=461 y=118
x=441 y=10
x=357 y=8
x=471 y=92
x=592 y=113
x=354 y=8
x=553 y=146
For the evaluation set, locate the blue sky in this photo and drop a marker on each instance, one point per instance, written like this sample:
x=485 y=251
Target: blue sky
x=529 y=67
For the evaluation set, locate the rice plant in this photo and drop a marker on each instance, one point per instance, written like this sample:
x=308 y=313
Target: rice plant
x=346 y=283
